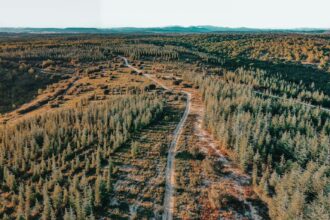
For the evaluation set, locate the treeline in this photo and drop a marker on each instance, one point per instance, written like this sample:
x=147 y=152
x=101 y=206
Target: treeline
x=57 y=51
x=269 y=84
x=85 y=50
x=283 y=144
x=59 y=164
x=137 y=51
x=99 y=48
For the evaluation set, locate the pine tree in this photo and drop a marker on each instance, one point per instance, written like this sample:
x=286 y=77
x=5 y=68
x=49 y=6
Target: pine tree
x=46 y=206
x=65 y=199
x=66 y=215
x=72 y=214
x=296 y=205
x=28 y=195
x=52 y=214
x=78 y=208
x=88 y=202
x=57 y=197
x=98 y=161
x=100 y=192
x=134 y=149
x=20 y=208
x=254 y=174
x=108 y=179
x=97 y=192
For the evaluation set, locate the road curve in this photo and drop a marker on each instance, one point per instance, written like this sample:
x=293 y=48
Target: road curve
x=170 y=169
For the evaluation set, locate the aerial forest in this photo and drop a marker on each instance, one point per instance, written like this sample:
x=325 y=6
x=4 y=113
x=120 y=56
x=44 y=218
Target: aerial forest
x=146 y=125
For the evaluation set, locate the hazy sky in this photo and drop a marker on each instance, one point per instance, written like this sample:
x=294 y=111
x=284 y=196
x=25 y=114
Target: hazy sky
x=147 y=13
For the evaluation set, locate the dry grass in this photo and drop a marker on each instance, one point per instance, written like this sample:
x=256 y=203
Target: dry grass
x=139 y=181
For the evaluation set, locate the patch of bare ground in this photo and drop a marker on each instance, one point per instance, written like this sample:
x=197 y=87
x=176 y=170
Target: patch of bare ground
x=139 y=181
x=209 y=185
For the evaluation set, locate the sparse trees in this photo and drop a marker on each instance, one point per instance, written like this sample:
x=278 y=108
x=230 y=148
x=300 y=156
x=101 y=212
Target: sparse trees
x=46 y=152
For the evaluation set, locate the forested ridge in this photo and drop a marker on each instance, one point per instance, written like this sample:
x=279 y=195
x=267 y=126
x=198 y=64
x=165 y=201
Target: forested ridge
x=59 y=164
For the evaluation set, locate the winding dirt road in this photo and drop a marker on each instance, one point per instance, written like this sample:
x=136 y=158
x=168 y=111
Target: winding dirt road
x=170 y=169
x=238 y=180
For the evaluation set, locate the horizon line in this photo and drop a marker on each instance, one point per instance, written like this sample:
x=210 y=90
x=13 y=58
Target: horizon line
x=168 y=26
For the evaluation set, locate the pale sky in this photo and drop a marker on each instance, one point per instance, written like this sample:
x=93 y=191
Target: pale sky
x=156 y=13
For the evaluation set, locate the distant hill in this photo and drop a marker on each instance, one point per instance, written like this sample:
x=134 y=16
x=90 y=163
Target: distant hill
x=170 y=29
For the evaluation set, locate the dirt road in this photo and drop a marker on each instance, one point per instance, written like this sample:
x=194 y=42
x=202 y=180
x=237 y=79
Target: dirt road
x=170 y=170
